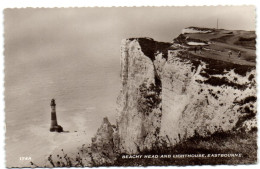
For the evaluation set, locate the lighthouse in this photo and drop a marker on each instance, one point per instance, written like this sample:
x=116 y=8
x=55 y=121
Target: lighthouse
x=54 y=123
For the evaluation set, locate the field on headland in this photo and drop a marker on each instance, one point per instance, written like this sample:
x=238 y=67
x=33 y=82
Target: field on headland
x=217 y=43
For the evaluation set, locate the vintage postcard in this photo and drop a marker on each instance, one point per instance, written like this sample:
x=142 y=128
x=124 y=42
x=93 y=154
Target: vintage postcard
x=130 y=86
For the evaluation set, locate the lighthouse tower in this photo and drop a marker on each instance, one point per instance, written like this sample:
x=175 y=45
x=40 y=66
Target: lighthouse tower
x=54 y=123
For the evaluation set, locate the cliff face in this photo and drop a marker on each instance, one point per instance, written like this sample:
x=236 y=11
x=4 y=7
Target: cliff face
x=140 y=99
x=172 y=92
x=200 y=98
x=103 y=144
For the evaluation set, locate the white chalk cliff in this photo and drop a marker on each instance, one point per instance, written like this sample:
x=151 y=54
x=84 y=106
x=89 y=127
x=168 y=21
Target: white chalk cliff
x=171 y=93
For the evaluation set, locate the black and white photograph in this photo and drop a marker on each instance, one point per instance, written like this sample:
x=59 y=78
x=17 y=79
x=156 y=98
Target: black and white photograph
x=130 y=86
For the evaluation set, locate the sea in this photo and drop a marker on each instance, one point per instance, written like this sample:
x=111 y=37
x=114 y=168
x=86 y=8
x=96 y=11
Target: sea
x=85 y=90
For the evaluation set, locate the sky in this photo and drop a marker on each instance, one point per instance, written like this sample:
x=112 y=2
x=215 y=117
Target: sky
x=73 y=55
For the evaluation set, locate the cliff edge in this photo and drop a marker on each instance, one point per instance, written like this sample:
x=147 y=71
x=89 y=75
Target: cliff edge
x=200 y=85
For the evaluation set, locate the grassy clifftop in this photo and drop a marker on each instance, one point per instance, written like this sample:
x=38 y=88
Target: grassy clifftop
x=217 y=43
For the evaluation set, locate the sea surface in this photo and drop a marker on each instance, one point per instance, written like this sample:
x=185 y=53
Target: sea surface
x=85 y=91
